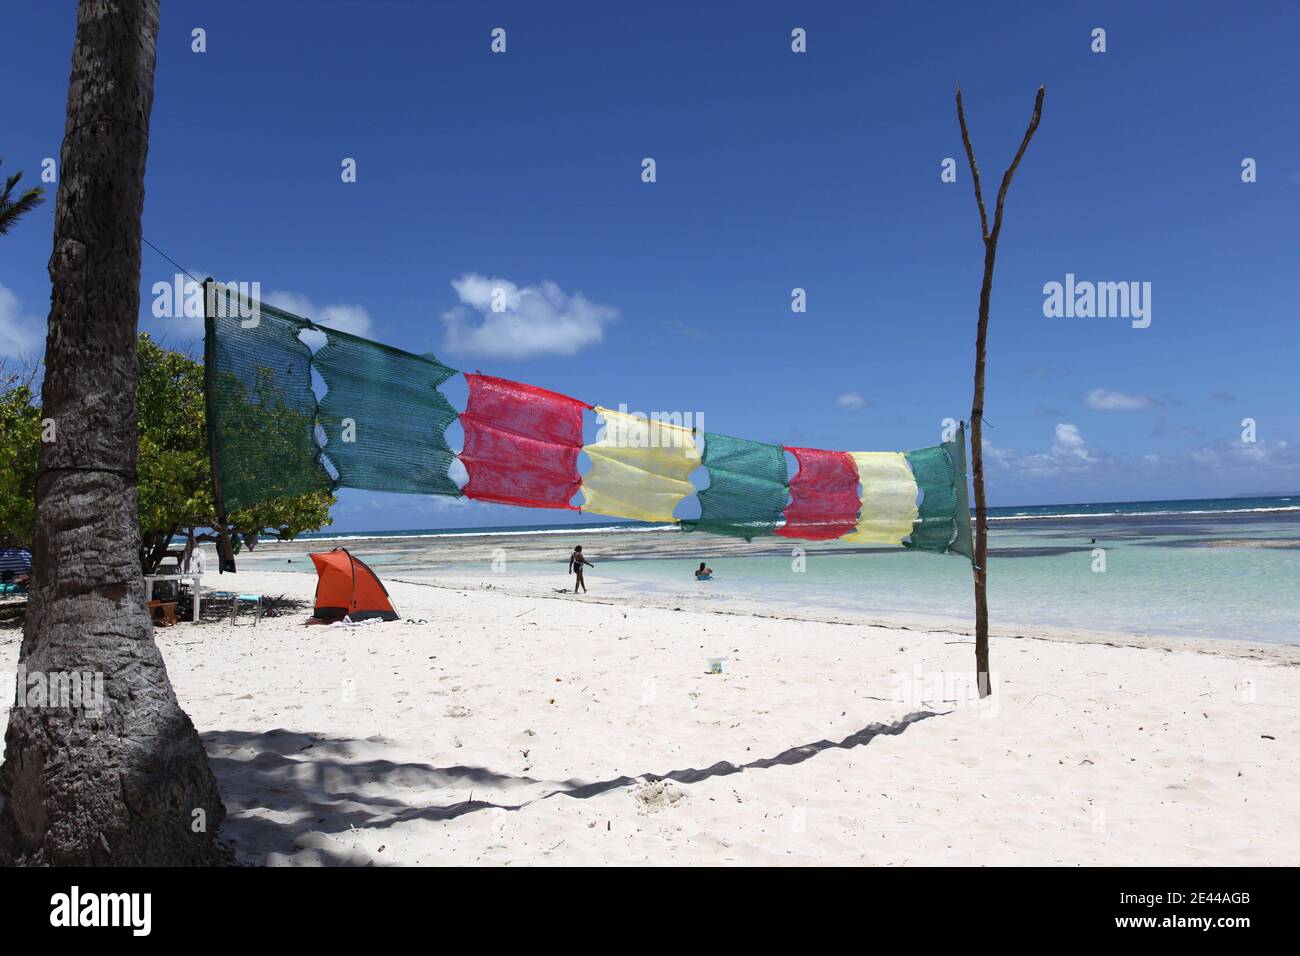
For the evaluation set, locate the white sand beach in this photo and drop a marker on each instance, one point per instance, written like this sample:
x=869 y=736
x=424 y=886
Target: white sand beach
x=526 y=727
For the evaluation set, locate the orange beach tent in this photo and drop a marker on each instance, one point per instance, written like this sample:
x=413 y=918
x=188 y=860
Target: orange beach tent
x=345 y=585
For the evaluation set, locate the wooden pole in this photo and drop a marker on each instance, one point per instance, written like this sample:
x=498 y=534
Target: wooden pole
x=977 y=405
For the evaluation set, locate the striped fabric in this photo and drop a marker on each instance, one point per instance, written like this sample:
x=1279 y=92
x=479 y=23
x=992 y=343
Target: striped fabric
x=888 y=498
x=639 y=467
x=380 y=419
x=16 y=560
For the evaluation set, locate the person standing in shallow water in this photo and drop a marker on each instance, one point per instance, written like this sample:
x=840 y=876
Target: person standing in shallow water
x=576 y=564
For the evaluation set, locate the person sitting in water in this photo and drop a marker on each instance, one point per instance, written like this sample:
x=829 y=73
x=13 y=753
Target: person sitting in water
x=576 y=563
x=702 y=573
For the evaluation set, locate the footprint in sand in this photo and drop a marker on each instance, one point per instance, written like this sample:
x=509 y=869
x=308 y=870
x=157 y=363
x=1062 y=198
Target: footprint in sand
x=653 y=797
x=458 y=710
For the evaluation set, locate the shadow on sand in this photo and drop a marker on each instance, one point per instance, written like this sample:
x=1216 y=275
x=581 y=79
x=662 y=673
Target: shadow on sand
x=282 y=785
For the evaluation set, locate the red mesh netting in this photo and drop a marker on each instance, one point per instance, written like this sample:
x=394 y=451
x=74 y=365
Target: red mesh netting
x=521 y=443
x=824 y=495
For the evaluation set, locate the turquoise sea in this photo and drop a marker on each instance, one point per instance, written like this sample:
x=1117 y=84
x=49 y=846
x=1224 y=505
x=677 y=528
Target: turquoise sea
x=1220 y=568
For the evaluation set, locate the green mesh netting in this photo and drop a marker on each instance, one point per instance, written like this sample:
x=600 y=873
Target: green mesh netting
x=381 y=419
x=387 y=402
x=261 y=411
x=943 y=516
x=957 y=454
x=749 y=488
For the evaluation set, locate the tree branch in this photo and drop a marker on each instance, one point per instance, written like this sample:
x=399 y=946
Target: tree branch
x=974 y=168
x=1011 y=170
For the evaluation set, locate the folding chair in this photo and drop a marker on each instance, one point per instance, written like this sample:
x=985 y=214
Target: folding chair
x=238 y=599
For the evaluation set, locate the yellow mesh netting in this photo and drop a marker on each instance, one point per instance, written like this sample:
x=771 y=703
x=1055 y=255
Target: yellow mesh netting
x=639 y=467
x=888 y=498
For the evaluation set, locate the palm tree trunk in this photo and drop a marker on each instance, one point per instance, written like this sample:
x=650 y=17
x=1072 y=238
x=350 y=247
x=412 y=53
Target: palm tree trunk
x=982 y=673
x=127 y=782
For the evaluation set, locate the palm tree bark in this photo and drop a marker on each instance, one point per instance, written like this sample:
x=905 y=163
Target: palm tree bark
x=982 y=673
x=131 y=784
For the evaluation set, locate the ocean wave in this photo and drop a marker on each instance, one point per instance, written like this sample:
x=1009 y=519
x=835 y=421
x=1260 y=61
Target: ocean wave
x=480 y=533
x=662 y=528
x=1056 y=516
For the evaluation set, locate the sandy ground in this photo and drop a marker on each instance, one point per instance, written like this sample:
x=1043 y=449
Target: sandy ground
x=527 y=727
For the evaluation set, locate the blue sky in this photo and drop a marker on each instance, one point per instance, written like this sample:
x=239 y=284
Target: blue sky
x=775 y=170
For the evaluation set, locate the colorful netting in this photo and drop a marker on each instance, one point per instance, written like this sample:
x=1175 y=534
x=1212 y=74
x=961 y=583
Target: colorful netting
x=956 y=450
x=943 y=519
x=521 y=444
x=381 y=421
x=639 y=467
x=261 y=411
x=888 y=498
x=824 y=495
x=387 y=402
x=748 y=488
x=381 y=418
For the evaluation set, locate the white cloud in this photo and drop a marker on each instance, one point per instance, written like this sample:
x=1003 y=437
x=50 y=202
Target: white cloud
x=995 y=456
x=500 y=319
x=477 y=292
x=21 y=333
x=1275 y=464
x=1069 y=443
x=1263 y=459
x=1068 y=453
x=851 y=400
x=343 y=316
x=1104 y=400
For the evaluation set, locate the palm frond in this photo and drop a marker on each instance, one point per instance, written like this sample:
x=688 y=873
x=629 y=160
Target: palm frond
x=13 y=210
